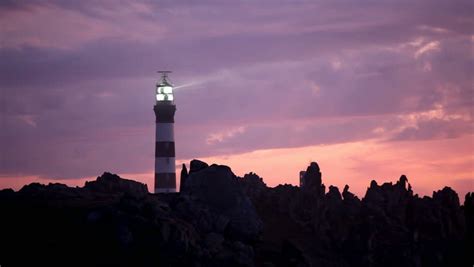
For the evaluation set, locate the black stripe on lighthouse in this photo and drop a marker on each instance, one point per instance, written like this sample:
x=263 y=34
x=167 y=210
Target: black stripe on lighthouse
x=164 y=149
x=165 y=113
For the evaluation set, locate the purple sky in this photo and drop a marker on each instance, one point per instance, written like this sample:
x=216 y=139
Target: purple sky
x=77 y=81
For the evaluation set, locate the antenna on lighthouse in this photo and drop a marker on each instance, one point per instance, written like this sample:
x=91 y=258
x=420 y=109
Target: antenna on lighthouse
x=164 y=73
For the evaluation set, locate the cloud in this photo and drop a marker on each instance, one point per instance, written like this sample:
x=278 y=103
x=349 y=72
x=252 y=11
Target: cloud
x=77 y=79
x=429 y=47
x=35 y=24
x=434 y=129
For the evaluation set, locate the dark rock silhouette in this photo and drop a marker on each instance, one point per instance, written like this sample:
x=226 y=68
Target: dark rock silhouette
x=183 y=177
x=312 y=180
x=219 y=219
x=112 y=183
x=252 y=184
x=218 y=188
x=197 y=165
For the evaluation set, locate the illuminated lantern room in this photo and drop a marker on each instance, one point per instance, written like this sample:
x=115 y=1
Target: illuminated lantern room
x=164 y=89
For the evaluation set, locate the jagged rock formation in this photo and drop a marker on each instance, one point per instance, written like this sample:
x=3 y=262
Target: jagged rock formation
x=184 y=177
x=111 y=183
x=197 y=165
x=389 y=227
x=218 y=188
x=219 y=219
x=312 y=180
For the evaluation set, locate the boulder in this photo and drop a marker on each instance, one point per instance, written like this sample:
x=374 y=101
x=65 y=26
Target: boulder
x=112 y=184
x=218 y=188
x=253 y=185
x=197 y=165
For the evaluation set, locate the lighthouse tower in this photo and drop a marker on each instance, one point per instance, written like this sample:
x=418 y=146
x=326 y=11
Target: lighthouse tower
x=165 y=174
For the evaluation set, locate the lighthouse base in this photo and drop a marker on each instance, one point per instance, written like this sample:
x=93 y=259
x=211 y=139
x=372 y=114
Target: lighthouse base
x=165 y=183
x=165 y=190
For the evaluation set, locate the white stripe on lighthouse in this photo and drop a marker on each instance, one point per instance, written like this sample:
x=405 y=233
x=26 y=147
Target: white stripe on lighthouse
x=164 y=132
x=165 y=165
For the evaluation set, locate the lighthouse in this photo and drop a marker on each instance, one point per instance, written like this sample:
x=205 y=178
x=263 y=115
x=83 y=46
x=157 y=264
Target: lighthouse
x=165 y=173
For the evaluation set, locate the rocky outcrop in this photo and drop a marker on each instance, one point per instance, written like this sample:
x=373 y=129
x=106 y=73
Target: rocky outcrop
x=183 y=177
x=468 y=211
x=253 y=185
x=218 y=188
x=219 y=219
x=111 y=183
x=312 y=180
x=390 y=226
x=120 y=224
x=197 y=165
